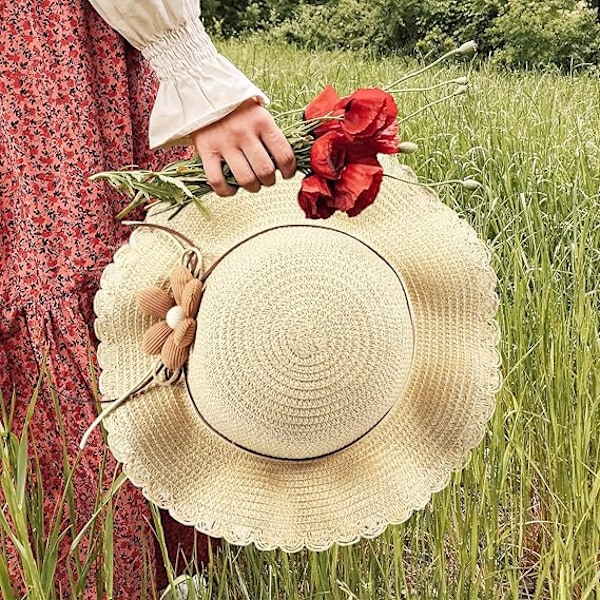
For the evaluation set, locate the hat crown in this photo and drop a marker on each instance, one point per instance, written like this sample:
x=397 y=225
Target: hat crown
x=304 y=343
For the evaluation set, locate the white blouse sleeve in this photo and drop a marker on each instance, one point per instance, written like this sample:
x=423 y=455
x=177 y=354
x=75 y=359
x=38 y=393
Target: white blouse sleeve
x=198 y=86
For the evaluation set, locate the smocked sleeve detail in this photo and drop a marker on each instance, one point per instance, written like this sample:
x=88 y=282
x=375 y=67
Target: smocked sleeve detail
x=198 y=86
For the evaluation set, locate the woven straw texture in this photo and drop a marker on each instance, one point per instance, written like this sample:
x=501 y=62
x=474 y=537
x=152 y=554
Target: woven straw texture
x=341 y=369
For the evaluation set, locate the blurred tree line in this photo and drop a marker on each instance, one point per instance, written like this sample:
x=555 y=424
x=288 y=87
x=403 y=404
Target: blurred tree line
x=514 y=33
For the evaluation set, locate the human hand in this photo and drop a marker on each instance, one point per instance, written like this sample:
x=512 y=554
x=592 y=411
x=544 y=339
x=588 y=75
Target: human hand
x=250 y=142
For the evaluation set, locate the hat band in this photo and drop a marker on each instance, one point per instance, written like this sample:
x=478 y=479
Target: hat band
x=279 y=458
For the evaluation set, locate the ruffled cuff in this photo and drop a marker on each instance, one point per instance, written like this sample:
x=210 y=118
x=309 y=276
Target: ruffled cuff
x=198 y=86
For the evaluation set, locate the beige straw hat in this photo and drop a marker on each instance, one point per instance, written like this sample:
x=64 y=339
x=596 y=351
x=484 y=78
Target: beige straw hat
x=338 y=370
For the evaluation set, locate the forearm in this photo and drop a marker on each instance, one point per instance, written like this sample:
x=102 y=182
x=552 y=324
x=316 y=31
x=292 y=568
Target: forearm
x=198 y=86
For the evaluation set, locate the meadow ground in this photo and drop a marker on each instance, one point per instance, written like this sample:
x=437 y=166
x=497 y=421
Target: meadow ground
x=523 y=519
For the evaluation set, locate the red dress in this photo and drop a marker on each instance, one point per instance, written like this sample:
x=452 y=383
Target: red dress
x=74 y=99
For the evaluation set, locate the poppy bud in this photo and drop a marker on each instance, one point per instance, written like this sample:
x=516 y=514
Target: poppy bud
x=408 y=147
x=470 y=184
x=468 y=48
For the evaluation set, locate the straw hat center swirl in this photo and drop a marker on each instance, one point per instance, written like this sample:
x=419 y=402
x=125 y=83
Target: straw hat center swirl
x=304 y=343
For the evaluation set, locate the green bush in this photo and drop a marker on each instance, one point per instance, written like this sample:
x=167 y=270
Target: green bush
x=454 y=21
x=515 y=33
x=231 y=18
x=380 y=25
x=554 y=32
x=409 y=26
x=348 y=24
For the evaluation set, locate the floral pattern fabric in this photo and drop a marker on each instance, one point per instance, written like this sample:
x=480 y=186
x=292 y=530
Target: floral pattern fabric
x=75 y=99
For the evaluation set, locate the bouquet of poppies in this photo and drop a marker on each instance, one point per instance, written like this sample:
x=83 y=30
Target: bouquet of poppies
x=344 y=172
x=336 y=144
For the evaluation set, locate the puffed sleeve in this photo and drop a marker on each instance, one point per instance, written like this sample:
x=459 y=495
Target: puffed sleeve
x=198 y=86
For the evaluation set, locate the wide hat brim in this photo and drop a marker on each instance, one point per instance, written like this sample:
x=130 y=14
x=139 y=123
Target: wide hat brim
x=223 y=490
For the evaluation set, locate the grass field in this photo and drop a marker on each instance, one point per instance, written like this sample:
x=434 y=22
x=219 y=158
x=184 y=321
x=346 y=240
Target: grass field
x=523 y=519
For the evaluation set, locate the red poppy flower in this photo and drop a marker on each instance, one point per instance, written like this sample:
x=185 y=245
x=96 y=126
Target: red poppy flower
x=386 y=142
x=316 y=198
x=328 y=154
x=357 y=187
x=343 y=158
x=326 y=103
x=368 y=112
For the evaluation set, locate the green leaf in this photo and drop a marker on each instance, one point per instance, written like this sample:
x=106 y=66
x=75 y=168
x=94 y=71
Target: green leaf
x=177 y=183
x=108 y=550
x=119 y=481
x=22 y=468
x=5 y=586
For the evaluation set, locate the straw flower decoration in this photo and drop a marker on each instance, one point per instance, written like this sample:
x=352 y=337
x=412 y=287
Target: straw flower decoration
x=172 y=336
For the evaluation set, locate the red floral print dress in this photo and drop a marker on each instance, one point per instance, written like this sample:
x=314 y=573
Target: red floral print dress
x=75 y=98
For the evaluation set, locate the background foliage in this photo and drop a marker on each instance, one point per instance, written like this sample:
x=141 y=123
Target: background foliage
x=513 y=33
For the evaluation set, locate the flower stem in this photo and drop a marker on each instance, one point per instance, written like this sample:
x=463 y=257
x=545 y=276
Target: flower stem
x=461 y=50
x=430 y=105
x=469 y=184
x=458 y=81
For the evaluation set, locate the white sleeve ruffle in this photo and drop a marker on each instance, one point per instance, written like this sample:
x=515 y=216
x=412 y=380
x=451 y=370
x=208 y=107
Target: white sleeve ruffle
x=198 y=86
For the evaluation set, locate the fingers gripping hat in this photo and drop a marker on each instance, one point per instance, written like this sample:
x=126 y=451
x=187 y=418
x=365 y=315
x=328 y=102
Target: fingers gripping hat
x=292 y=384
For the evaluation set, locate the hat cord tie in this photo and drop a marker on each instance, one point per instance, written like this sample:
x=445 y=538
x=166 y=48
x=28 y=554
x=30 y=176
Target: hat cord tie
x=157 y=373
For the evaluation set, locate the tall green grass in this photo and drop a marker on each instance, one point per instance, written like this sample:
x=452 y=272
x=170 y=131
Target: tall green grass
x=37 y=541
x=523 y=519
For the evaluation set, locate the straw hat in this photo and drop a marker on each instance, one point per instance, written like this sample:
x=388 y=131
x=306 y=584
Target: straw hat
x=338 y=370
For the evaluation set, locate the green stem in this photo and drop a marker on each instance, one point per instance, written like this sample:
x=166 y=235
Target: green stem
x=422 y=70
x=431 y=186
x=426 y=107
x=431 y=87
